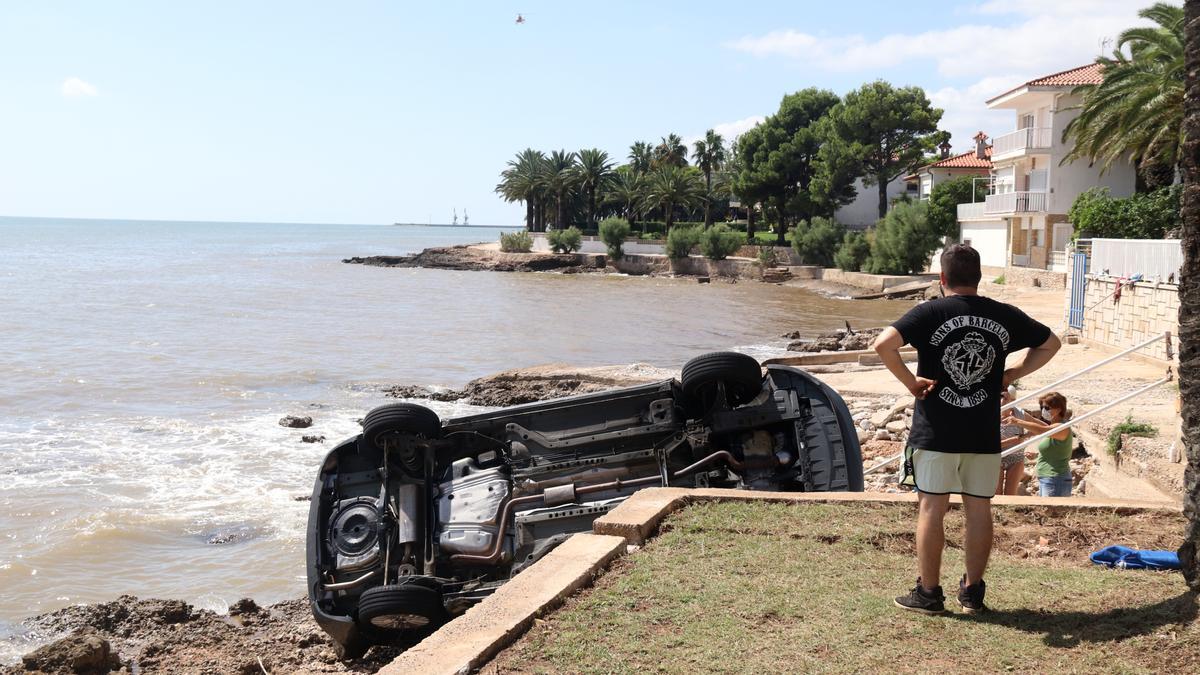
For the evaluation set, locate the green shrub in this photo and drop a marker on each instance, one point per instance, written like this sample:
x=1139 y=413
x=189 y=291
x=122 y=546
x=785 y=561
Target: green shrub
x=904 y=241
x=565 y=241
x=999 y=280
x=613 y=232
x=516 y=242
x=944 y=201
x=1148 y=215
x=817 y=241
x=766 y=256
x=681 y=241
x=1128 y=428
x=853 y=253
x=719 y=242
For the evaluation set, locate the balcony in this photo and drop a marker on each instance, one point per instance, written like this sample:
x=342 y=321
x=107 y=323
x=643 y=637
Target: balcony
x=971 y=211
x=1021 y=142
x=1015 y=202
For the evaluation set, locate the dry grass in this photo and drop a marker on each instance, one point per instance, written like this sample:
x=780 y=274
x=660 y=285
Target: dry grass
x=740 y=587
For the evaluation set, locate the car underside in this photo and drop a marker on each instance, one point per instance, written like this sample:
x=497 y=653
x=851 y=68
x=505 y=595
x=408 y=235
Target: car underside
x=416 y=519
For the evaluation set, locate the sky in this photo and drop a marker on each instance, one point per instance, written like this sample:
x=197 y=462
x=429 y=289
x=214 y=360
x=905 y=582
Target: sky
x=381 y=111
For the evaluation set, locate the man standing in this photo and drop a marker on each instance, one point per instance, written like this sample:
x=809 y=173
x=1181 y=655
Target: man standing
x=953 y=447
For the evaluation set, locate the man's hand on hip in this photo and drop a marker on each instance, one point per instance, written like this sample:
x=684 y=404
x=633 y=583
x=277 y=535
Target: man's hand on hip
x=922 y=387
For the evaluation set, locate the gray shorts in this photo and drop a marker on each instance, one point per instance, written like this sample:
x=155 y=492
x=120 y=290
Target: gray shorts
x=961 y=473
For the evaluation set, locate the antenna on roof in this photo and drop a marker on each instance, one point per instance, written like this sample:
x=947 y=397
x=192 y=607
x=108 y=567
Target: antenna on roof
x=1104 y=42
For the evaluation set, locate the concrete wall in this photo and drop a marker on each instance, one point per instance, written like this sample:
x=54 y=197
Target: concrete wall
x=1068 y=181
x=990 y=238
x=864 y=210
x=1145 y=310
x=872 y=282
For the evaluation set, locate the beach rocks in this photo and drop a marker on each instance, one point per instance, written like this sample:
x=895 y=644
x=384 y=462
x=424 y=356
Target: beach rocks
x=296 y=422
x=837 y=341
x=169 y=636
x=540 y=383
x=74 y=654
x=473 y=258
x=312 y=439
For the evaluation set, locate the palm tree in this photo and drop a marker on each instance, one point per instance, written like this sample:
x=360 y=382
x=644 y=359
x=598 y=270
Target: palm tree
x=593 y=173
x=521 y=182
x=1136 y=113
x=672 y=186
x=670 y=152
x=627 y=191
x=709 y=155
x=641 y=156
x=560 y=180
x=1189 y=304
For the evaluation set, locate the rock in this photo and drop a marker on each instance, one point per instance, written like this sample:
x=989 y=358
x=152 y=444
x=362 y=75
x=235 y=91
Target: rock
x=414 y=391
x=244 y=606
x=863 y=435
x=897 y=427
x=82 y=653
x=881 y=417
x=883 y=435
x=465 y=257
x=296 y=422
x=312 y=439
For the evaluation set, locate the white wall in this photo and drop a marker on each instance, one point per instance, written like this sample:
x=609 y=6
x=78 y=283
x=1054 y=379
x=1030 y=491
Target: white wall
x=1069 y=180
x=864 y=210
x=990 y=238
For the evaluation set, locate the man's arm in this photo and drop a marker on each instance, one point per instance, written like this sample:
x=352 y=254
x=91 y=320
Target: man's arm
x=1034 y=359
x=887 y=346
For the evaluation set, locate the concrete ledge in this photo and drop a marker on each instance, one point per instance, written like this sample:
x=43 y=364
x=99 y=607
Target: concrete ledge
x=638 y=518
x=469 y=641
x=829 y=358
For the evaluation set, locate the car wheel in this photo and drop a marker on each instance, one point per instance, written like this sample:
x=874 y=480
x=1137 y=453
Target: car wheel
x=406 y=607
x=400 y=417
x=740 y=374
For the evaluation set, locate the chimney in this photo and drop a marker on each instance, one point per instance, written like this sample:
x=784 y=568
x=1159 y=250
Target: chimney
x=945 y=148
x=981 y=145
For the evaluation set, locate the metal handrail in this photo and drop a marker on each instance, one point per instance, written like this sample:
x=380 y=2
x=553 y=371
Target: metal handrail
x=1165 y=336
x=1076 y=420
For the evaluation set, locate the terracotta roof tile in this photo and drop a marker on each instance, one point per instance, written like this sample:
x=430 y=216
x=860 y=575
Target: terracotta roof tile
x=966 y=160
x=1089 y=74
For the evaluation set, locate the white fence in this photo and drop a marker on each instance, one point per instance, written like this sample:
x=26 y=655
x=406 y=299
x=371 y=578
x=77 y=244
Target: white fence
x=1154 y=259
x=971 y=211
x=1015 y=202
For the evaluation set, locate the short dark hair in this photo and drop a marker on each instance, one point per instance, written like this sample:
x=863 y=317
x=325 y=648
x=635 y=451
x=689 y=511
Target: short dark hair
x=960 y=264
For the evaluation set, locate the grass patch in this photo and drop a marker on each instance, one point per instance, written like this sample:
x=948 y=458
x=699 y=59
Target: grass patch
x=999 y=280
x=740 y=587
x=1128 y=428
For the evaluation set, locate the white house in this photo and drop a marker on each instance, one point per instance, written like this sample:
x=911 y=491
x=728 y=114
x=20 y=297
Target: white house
x=1023 y=221
x=976 y=163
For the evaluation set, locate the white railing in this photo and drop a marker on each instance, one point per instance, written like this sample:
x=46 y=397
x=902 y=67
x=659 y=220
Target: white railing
x=1015 y=202
x=1033 y=138
x=969 y=211
x=1152 y=258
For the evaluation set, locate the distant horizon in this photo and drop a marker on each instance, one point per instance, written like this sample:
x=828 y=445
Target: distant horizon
x=255 y=222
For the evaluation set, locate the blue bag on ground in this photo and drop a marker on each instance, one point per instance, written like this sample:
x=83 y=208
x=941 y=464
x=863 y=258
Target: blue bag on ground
x=1124 y=557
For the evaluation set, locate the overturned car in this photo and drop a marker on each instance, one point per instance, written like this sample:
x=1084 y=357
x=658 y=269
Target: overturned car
x=416 y=518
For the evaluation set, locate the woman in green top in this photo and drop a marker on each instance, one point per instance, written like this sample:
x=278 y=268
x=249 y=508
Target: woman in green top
x=1054 y=452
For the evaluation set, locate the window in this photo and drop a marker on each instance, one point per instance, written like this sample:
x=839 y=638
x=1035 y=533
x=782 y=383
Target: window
x=966 y=242
x=1027 y=121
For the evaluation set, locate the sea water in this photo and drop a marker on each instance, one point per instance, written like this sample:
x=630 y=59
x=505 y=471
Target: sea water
x=145 y=366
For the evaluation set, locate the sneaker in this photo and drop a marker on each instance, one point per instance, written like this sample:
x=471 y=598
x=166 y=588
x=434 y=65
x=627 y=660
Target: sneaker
x=918 y=600
x=971 y=597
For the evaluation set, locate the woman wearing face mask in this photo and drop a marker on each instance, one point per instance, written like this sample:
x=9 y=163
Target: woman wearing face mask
x=1054 y=452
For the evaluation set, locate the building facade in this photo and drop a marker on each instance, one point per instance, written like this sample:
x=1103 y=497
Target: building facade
x=1022 y=223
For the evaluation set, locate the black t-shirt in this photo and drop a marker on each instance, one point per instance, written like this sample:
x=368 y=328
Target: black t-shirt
x=961 y=343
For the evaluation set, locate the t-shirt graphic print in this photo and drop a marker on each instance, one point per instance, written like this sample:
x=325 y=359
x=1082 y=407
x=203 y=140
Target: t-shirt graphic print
x=962 y=342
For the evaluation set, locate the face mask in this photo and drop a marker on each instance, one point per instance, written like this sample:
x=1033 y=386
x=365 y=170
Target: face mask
x=1046 y=413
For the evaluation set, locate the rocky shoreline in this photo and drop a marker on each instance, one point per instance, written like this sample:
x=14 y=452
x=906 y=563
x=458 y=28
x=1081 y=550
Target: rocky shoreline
x=129 y=635
x=476 y=258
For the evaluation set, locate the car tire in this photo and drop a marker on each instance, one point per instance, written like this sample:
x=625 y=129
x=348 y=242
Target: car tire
x=741 y=375
x=400 y=417
x=406 y=607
